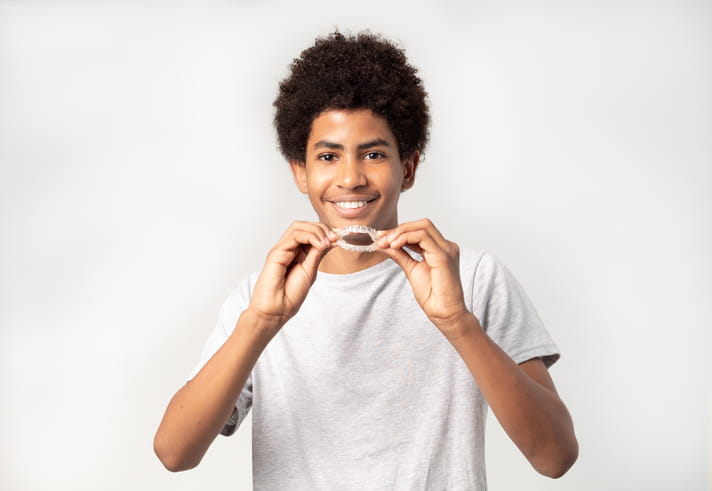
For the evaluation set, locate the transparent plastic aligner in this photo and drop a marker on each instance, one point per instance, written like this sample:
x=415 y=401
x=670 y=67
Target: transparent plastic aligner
x=357 y=238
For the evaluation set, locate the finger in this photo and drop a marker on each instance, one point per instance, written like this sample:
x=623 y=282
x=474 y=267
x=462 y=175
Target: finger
x=319 y=229
x=385 y=243
x=422 y=224
x=315 y=237
x=418 y=238
x=381 y=240
x=330 y=234
x=315 y=240
x=422 y=242
x=402 y=258
x=415 y=248
x=311 y=262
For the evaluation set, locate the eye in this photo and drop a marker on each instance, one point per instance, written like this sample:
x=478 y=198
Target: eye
x=374 y=155
x=327 y=157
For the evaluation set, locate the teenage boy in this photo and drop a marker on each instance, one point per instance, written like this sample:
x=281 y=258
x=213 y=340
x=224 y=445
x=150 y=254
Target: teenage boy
x=369 y=370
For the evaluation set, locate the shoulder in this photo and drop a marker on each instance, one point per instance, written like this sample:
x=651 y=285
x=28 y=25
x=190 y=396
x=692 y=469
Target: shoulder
x=484 y=275
x=478 y=262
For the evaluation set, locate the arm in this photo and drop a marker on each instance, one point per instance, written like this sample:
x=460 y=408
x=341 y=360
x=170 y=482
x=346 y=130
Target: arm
x=199 y=410
x=523 y=396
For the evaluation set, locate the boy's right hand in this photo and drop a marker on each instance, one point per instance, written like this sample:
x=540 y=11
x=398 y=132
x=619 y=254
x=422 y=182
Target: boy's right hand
x=289 y=271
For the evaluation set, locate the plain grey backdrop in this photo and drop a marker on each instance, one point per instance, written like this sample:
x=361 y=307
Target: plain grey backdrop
x=140 y=181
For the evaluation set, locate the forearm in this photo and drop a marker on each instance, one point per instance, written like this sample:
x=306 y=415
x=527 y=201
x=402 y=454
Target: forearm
x=198 y=411
x=533 y=415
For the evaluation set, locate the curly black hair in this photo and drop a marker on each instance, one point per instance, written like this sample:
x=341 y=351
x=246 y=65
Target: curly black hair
x=364 y=71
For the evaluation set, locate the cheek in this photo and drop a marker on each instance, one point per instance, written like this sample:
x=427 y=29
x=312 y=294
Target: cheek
x=393 y=182
x=317 y=184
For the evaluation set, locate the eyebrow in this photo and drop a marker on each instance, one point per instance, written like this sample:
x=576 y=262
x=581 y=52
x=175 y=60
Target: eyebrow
x=361 y=146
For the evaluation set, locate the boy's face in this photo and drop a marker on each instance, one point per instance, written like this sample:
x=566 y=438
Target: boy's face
x=353 y=173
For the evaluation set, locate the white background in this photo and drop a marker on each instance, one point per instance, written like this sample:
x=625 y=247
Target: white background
x=139 y=182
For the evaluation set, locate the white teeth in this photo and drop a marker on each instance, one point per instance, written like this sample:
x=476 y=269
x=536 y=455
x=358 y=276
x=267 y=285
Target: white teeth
x=351 y=204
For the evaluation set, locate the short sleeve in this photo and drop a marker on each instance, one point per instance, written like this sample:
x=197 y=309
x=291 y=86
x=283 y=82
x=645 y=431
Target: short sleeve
x=236 y=303
x=507 y=314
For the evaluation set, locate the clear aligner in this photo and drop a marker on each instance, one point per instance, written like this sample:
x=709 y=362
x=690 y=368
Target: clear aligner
x=354 y=230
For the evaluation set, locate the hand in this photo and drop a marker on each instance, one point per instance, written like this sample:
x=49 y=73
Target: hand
x=436 y=279
x=289 y=271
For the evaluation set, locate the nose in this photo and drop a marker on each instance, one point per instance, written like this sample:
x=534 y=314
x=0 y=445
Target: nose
x=351 y=174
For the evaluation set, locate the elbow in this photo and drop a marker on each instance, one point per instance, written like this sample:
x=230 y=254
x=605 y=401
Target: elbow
x=169 y=457
x=556 y=464
x=556 y=470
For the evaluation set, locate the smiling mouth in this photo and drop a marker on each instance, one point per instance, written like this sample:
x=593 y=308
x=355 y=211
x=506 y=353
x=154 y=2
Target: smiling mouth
x=351 y=205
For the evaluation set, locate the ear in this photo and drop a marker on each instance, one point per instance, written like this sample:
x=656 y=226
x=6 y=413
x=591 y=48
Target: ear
x=410 y=165
x=299 y=172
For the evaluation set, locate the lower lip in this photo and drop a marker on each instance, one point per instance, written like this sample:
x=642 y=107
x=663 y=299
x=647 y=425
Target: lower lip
x=352 y=212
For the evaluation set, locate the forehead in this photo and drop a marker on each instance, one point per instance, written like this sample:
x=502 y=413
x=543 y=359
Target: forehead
x=349 y=126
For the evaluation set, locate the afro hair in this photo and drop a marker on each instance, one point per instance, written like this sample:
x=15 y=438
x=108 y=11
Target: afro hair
x=364 y=71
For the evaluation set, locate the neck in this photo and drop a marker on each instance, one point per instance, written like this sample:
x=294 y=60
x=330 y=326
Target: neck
x=339 y=261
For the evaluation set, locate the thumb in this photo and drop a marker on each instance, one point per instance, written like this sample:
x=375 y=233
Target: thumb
x=312 y=260
x=402 y=258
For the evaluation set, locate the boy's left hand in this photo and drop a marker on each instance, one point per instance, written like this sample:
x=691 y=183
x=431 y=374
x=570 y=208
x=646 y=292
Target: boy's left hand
x=436 y=279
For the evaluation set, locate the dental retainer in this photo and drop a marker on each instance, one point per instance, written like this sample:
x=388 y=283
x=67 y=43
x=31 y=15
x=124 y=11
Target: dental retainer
x=357 y=238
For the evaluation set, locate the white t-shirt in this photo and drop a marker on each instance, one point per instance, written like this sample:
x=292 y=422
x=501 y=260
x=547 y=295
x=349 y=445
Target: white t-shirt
x=360 y=390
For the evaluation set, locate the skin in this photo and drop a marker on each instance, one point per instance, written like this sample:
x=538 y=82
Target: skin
x=352 y=155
